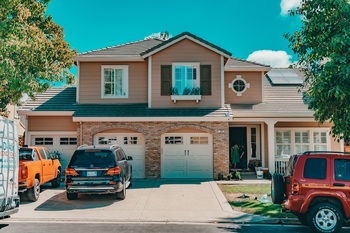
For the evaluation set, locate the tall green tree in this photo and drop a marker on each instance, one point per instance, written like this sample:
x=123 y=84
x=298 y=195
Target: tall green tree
x=33 y=51
x=323 y=48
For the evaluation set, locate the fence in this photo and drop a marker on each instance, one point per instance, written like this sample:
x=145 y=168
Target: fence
x=281 y=164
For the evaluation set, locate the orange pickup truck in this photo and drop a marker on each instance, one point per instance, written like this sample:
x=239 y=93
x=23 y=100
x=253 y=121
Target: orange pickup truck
x=36 y=167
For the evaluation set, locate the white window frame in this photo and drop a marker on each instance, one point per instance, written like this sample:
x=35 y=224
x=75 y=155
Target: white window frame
x=195 y=65
x=311 y=138
x=239 y=78
x=302 y=143
x=125 y=79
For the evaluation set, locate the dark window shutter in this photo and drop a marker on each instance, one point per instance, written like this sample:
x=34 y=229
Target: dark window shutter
x=205 y=79
x=165 y=74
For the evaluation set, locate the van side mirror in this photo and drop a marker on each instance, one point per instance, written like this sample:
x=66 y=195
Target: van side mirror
x=129 y=157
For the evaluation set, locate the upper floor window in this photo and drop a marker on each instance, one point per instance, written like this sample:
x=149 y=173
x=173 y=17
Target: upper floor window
x=114 y=81
x=186 y=80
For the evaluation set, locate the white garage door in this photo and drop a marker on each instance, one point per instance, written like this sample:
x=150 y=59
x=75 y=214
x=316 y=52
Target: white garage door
x=65 y=145
x=187 y=155
x=132 y=144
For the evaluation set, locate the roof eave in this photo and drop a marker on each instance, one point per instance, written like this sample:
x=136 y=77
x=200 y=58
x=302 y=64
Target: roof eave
x=248 y=68
x=92 y=58
x=148 y=119
x=45 y=113
x=145 y=55
x=242 y=114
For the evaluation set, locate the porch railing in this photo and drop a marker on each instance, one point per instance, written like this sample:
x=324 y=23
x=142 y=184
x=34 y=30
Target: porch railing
x=281 y=164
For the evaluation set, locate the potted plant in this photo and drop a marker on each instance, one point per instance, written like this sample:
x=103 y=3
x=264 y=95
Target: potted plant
x=253 y=164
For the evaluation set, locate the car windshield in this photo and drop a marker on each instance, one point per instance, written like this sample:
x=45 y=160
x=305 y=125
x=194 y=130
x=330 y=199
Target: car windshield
x=25 y=154
x=92 y=159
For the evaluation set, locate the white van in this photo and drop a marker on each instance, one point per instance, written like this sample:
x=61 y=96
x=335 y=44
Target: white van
x=9 y=198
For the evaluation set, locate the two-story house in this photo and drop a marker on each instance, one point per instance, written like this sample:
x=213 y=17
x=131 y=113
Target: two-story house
x=177 y=106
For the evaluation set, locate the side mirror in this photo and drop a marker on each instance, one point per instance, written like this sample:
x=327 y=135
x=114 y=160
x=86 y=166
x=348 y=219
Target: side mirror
x=129 y=157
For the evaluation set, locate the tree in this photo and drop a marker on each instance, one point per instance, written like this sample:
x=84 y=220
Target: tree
x=33 y=51
x=323 y=49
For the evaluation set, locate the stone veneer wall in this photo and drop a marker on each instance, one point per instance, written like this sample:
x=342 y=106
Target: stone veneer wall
x=152 y=132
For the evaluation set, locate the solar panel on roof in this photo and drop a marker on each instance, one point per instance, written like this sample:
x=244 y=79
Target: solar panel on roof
x=284 y=77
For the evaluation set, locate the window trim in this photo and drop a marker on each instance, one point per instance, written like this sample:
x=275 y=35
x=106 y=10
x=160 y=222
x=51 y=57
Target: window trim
x=125 y=68
x=311 y=133
x=193 y=64
x=239 y=78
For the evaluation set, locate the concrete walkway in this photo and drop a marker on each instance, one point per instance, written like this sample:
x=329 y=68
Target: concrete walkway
x=147 y=200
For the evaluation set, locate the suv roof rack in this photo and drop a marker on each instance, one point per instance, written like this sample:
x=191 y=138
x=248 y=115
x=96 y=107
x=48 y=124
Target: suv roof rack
x=326 y=152
x=111 y=147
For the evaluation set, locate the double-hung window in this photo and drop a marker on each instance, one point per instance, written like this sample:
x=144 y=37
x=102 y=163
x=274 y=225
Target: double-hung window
x=186 y=78
x=114 y=81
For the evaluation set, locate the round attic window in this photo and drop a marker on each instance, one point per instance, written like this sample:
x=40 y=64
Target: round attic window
x=239 y=85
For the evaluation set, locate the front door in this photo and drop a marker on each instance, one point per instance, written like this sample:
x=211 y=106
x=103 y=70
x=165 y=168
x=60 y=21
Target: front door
x=249 y=137
x=238 y=136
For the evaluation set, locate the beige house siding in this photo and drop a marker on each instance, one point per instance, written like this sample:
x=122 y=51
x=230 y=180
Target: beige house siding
x=187 y=51
x=252 y=95
x=153 y=131
x=90 y=83
x=48 y=123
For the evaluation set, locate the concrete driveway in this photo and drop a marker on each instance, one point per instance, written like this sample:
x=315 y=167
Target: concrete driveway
x=146 y=200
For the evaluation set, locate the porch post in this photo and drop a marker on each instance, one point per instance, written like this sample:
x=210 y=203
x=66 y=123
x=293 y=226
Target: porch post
x=271 y=144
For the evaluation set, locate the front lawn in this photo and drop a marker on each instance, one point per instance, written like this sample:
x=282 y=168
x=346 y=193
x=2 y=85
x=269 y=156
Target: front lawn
x=245 y=198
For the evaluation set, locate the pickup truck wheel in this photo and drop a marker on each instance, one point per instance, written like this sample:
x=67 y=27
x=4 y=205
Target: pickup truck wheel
x=277 y=188
x=55 y=183
x=34 y=192
x=326 y=218
x=72 y=196
x=122 y=194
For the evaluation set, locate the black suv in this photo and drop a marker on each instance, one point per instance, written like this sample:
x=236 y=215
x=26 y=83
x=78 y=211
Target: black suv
x=98 y=170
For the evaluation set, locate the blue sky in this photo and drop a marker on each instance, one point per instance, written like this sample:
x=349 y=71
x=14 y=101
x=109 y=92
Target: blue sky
x=249 y=29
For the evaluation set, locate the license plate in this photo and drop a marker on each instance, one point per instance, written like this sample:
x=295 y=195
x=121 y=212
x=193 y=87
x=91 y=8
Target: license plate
x=91 y=173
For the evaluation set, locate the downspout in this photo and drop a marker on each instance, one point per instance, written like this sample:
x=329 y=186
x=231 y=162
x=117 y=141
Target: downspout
x=77 y=84
x=80 y=133
x=150 y=82
x=26 y=134
x=222 y=74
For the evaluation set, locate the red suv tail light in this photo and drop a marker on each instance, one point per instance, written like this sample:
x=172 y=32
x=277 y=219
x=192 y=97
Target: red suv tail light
x=114 y=171
x=295 y=187
x=71 y=172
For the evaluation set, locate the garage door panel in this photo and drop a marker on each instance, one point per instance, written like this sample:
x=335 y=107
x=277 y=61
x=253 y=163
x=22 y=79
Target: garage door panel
x=190 y=157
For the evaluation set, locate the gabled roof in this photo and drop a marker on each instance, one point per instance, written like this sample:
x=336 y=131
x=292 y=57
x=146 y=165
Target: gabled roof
x=126 y=51
x=186 y=35
x=236 y=64
x=139 y=50
x=54 y=99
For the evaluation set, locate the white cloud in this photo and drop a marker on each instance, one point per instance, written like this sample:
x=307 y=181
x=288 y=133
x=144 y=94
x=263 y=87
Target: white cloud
x=287 y=5
x=276 y=59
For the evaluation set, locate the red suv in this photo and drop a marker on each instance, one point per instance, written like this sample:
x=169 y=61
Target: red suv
x=316 y=188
